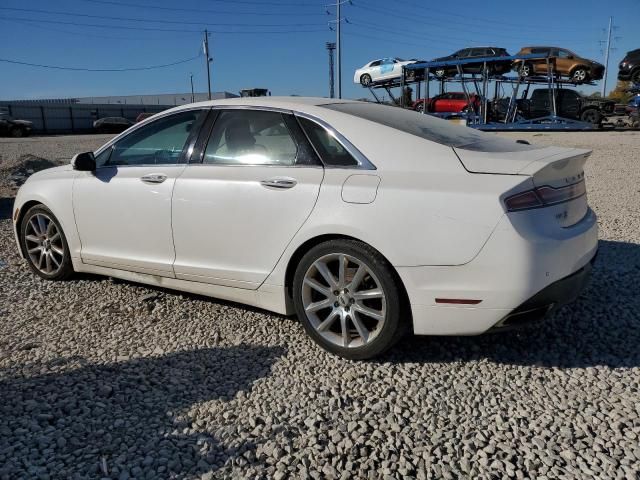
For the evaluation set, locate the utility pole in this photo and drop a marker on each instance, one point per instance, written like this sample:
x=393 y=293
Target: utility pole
x=606 y=58
x=338 y=48
x=331 y=47
x=193 y=98
x=338 y=44
x=208 y=60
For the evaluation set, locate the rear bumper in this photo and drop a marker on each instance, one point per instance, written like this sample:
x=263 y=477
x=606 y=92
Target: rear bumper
x=557 y=294
x=513 y=267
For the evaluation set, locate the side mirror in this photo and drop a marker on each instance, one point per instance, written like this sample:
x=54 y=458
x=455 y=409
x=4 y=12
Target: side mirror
x=84 y=162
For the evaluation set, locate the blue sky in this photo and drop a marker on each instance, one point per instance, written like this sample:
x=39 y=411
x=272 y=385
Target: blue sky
x=291 y=58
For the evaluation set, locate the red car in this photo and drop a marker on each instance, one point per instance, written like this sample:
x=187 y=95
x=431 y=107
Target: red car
x=450 y=102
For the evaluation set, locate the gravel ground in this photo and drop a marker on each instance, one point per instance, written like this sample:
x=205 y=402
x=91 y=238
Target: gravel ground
x=101 y=378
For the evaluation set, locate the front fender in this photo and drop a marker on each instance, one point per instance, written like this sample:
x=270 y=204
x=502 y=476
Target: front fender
x=52 y=188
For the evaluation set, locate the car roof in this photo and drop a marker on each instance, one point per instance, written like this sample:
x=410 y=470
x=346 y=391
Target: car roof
x=287 y=103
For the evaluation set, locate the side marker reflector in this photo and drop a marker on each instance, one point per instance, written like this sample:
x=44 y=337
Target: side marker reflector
x=458 y=301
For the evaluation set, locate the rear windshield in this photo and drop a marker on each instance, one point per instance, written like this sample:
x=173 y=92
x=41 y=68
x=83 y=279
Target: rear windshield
x=429 y=127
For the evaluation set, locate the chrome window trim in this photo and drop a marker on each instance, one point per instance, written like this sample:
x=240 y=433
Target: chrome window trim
x=363 y=162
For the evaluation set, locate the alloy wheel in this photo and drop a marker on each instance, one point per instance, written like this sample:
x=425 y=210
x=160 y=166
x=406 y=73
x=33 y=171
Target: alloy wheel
x=344 y=300
x=579 y=75
x=44 y=244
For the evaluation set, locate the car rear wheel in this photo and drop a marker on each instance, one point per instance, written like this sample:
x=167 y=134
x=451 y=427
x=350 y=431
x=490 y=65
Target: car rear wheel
x=635 y=76
x=580 y=74
x=591 y=115
x=440 y=73
x=45 y=245
x=17 y=132
x=346 y=297
x=365 y=80
x=525 y=70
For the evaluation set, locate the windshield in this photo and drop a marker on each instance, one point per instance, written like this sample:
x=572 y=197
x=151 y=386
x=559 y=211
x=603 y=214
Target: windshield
x=428 y=127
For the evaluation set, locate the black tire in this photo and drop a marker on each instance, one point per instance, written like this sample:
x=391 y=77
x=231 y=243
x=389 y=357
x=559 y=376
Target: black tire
x=440 y=73
x=525 y=70
x=365 y=80
x=580 y=75
x=420 y=107
x=65 y=269
x=17 y=132
x=591 y=115
x=635 y=76
x=394 y=324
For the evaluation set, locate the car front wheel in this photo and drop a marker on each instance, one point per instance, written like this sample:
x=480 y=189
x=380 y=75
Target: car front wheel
x=346 y=296
x=17 y=132
x=591 y=115
x=45 y=245
x=365 y=80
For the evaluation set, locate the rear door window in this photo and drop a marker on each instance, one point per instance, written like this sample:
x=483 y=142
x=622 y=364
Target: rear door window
x=331 y=151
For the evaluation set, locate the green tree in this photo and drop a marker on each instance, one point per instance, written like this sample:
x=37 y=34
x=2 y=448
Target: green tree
x=621 y=93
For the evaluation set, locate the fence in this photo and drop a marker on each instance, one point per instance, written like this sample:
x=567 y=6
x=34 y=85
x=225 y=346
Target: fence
x=75 y=118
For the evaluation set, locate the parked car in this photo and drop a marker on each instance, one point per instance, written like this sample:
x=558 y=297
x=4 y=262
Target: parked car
x=567 y=63
x=474 y=52
x=382 y=70
x=629 y=68
x=450 y=102
x=13 y=127
x=143 y=116
x=112 y=124
x=633 y=105
x=569 y=104
x=314 y=225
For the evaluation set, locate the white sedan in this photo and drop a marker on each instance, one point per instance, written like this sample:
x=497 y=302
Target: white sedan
x=382 y=70
x=366 y=220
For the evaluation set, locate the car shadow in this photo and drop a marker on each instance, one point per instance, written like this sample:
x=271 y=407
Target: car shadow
x=83 y=420
x=601 y=328
x=6 y=207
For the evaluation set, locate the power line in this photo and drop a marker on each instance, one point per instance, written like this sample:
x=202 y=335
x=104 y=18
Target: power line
x=156 y=29
x=202 y=10
x=179 y=22
x=82 y=69
x=475 y=19
x=83 y=34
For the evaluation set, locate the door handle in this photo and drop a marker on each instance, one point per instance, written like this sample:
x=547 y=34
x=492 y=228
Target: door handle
x=280 y=183
x=154 y=178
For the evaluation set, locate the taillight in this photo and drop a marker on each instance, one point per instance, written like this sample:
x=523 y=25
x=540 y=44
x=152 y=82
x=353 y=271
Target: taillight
x=544 y=196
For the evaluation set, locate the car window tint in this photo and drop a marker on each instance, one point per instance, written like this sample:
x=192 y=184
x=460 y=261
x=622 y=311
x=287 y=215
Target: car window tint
x=331 y=151
x=158 y=143
x=375 y=64
x=250 y=137
x=428 y=127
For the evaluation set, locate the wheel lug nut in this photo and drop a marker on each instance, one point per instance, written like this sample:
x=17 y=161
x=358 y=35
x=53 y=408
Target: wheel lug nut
x=351 y=301
x=336 y=292
x=336 y=304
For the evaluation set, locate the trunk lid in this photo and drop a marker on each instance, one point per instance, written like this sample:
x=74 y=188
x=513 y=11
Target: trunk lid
x=554 y=167
x=553 y=164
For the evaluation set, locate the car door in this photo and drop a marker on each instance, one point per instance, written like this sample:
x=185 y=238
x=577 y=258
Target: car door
x=387 y=68
x=236 y=210
x=564 y=61
x=568 y=103
x=123 y=209
x=374 y=70
x=540 y=66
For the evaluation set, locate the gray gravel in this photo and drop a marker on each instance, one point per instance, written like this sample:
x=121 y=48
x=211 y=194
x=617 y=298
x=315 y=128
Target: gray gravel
x=101 y=378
